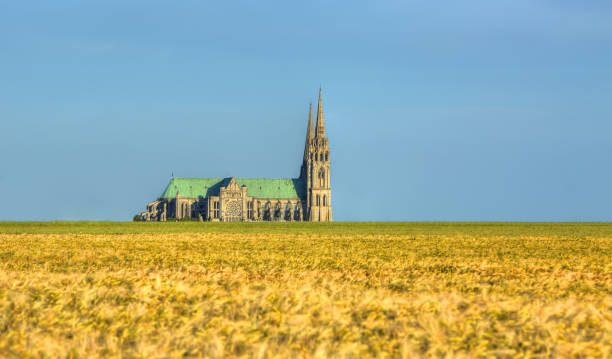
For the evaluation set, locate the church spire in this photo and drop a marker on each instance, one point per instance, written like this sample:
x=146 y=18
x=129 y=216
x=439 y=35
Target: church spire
x=320 y=125
x=309 y=132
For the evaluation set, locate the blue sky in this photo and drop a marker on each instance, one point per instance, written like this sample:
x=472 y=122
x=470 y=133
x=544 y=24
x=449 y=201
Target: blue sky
x=464 y=110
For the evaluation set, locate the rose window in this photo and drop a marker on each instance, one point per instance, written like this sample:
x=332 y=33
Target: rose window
x=233 y=209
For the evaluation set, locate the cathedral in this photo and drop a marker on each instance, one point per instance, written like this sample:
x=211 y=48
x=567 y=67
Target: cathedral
x=306 y=198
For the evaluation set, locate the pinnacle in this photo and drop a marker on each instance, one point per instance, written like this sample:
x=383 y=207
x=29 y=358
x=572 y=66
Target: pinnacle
x=320 y=124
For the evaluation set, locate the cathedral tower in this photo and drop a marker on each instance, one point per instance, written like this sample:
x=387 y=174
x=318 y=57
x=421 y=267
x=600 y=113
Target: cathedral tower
x=315 y=169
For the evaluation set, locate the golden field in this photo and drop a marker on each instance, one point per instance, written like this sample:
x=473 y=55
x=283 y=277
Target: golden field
x=342 y=290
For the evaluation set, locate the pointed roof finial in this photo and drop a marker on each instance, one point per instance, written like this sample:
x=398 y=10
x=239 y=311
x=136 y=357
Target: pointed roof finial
x=310 y=131
x=320 y=124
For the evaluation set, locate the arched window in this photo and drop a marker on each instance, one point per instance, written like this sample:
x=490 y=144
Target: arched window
x=322 y=177
x=268 y=211
x=321 y=157
x=326 y=156
x=324 y=201
x=288 y=212
x=318 y=200
x=296 y=212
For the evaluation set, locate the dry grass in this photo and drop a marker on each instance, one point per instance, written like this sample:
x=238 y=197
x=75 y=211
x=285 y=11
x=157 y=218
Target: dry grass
x=297 y=295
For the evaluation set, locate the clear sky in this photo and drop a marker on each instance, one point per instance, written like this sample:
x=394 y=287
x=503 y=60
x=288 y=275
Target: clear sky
x=435 y=110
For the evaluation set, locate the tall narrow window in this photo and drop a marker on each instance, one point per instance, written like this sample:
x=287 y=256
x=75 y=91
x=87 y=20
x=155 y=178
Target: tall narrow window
x=250 y=210
x=268 y=211
x=318 y=200
x=324 y=201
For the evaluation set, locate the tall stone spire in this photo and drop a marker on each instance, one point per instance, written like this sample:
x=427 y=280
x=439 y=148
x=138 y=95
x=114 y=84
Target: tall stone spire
x=320 y=124
x=309 y=132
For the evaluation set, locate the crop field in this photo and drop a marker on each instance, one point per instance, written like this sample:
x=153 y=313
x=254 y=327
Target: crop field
x=282 y=290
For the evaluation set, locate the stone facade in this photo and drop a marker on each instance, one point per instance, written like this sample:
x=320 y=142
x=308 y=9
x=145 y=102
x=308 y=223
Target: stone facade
x=307 y=198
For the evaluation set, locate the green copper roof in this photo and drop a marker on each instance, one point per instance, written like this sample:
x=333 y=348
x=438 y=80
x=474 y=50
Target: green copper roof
x=256 y=187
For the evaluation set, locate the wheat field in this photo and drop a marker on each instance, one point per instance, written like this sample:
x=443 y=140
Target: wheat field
x=345 y=290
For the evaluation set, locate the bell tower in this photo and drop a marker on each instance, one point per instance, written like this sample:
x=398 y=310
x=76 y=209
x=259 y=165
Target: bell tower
x=316 y=169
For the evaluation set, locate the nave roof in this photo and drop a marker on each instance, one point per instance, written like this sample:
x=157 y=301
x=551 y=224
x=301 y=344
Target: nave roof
x=284 y=188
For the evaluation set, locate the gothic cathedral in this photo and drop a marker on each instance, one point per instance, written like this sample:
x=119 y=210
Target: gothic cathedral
x=307 y=198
